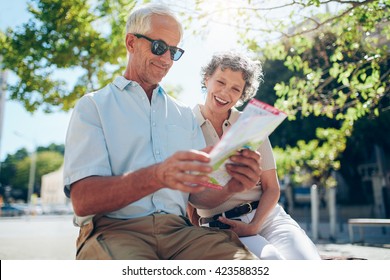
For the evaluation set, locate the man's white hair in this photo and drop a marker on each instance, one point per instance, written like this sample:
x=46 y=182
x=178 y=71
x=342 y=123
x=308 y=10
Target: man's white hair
x=139 y=20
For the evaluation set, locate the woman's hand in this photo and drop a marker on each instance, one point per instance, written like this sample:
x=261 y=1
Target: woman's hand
x=245 y=170
x=240 y=228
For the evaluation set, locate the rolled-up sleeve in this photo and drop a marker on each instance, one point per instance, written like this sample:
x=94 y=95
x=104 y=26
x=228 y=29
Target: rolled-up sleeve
x=268 y=159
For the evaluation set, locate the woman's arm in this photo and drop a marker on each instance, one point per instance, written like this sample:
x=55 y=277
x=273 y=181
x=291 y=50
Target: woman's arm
x=269 y=198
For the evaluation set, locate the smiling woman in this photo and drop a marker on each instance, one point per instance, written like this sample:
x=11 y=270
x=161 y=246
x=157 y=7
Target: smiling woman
x=224 y=90
x=254 y=215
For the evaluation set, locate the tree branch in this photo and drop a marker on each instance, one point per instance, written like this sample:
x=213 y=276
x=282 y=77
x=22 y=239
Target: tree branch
x=318 y=24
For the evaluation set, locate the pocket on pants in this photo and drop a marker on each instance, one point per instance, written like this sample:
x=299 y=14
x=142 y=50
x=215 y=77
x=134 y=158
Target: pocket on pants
x=94 y=249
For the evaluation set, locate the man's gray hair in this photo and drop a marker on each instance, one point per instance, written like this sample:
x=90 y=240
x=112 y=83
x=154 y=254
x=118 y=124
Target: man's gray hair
x=139 y=20
x=251 y=70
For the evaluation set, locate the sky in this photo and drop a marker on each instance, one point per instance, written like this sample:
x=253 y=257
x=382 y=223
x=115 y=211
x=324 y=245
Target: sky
x=22 y=129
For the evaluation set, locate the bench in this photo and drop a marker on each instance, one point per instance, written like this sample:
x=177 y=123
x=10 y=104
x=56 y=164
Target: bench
x=365 y=223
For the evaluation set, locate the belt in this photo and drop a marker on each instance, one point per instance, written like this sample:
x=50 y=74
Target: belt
x=243 y=209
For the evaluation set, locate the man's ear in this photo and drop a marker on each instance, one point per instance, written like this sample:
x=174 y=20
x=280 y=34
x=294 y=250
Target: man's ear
x=130 y=40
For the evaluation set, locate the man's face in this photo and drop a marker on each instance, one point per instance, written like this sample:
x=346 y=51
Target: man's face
x=149 y=69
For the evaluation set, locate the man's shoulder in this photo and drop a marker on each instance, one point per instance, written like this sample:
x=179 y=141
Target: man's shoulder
x=93 y=98
x=99 y=93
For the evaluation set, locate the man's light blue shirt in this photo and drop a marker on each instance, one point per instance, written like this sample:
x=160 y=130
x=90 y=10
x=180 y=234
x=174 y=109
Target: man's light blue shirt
x=117 y=130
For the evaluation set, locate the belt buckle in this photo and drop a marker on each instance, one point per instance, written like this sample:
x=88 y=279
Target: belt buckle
x=199 y=221
x=209 y=219
x=249 y=205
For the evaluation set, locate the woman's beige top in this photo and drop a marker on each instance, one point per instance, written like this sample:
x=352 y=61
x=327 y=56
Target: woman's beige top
x=211 y=137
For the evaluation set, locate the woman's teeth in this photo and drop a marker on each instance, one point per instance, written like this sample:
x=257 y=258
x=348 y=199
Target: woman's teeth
x=224 y=102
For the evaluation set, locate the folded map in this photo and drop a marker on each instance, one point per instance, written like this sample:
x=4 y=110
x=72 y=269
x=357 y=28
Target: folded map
x=257 y=121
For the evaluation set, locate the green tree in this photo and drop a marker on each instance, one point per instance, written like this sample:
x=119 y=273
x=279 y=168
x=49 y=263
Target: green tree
x=15 y=169
x=341 y=74
x=47 y=162
x=59 y=148
x=359 y=146
x=8 y=166
x=64 y=35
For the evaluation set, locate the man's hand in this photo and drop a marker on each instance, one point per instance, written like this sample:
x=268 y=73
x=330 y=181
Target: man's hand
x=245 y=170
x=184 y=170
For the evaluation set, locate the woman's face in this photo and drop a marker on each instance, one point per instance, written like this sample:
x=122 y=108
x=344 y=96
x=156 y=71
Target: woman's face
x=224 y=89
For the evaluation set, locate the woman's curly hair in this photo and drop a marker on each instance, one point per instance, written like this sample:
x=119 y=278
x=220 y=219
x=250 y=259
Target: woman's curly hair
x=252 y=71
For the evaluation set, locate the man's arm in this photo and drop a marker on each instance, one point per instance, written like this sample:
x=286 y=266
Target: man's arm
x=97 y=194
x=245 y=172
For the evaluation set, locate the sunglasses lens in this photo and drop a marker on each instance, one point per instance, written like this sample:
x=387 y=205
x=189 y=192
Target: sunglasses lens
x=176 y=53
x=159 y=47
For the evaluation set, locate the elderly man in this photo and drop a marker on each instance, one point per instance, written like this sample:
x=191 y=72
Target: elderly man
x=133 y=155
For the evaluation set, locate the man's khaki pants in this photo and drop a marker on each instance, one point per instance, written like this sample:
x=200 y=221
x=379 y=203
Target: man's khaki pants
x=155 y=237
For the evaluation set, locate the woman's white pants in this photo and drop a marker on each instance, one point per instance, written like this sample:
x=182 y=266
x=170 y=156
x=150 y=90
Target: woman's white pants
x=280 y=238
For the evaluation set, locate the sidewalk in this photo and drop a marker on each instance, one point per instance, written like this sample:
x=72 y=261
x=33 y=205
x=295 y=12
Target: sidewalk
x=376 y=245
x=333 y=251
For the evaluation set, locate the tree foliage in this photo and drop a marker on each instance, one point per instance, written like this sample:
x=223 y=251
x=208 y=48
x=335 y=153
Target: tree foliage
x=69 y=35
x=8 y=167
x=342 y=74
x=15 y=169
x=46 y=162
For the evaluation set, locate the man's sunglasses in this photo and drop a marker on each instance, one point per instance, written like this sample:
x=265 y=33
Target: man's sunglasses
x=159 y=47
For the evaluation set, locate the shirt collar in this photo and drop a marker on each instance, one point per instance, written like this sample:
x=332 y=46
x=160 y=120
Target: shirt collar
x=121 y=83
x=198 y=115
x=234 y=115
